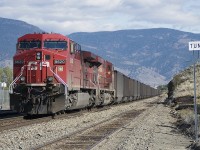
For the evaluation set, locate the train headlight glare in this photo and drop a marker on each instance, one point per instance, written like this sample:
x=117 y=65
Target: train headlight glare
x=50 y=79
x=38 y=55
x=22 y=79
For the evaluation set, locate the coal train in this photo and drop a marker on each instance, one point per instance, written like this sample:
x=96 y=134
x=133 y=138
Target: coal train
x=53 y=74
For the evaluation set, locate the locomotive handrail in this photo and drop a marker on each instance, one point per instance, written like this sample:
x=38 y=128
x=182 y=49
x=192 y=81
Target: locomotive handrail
x=61 y=80
x=15 y=80
x=92 y=82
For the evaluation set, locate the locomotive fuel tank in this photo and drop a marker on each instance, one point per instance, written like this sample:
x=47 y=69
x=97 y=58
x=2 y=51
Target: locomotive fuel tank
x=78 y=101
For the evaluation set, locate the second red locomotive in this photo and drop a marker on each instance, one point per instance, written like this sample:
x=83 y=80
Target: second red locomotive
x=52 y=74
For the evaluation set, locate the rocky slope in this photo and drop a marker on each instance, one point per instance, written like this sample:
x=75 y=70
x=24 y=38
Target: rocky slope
x=182 y=84
x=180 y=95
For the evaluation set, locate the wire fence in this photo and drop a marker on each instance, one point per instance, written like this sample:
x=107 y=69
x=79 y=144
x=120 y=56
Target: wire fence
x=4 y=100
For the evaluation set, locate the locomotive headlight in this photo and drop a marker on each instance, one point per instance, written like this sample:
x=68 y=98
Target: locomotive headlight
x=50 y=79
x=22 y=79
x=38 y=56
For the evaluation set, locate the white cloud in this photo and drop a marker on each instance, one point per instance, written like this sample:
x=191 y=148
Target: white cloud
x=96 y=15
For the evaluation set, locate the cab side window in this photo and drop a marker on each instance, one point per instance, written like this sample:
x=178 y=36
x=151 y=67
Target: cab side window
x=72 y=48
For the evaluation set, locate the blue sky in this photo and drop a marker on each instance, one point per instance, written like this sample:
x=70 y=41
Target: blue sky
x=68 y=16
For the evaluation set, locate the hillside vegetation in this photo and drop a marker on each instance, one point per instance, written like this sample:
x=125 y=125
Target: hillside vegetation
x=182 y=84
x=180 y=94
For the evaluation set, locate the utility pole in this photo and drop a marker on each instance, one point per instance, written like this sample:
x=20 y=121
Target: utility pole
x=195 y=105
x=195 y=46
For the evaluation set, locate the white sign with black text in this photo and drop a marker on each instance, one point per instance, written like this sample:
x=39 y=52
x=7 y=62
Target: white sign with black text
x=194 y=46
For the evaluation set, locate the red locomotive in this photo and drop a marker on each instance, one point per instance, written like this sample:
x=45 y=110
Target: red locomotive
x=52 y=74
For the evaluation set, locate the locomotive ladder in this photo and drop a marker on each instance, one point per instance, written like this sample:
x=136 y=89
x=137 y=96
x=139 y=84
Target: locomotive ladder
x=15 y=80
x=11 y=86
x=56 y=75
x=61 y=80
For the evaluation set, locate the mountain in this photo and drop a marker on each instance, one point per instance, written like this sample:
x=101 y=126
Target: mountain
x=10 y=30
x=152 y=56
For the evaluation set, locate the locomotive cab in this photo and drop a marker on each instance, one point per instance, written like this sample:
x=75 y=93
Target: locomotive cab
x=40 y=73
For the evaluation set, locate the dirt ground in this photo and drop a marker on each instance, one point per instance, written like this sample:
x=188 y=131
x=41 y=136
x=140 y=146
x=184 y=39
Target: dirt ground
x=152 y=130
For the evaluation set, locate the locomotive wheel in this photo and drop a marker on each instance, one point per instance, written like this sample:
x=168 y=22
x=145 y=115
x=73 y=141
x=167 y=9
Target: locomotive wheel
x=62 y=111
x=53 y=116
x=58 y=113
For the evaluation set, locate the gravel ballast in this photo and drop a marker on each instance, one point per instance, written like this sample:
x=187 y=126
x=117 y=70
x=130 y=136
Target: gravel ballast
x=143 y=131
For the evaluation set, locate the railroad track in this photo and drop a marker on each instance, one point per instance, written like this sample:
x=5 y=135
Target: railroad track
x=7 y=123
x=60 y=129
x=20 y=121
x=90 y=136
x=76 y=139
x=16 y=122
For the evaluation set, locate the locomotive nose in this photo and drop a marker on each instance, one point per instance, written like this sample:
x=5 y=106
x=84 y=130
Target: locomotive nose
x=37 y=67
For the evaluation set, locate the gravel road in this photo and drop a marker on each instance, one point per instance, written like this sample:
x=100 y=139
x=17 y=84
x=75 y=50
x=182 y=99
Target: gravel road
x=152 y=129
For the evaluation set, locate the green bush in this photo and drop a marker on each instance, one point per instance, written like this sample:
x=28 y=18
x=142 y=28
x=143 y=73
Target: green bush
x=6 y=74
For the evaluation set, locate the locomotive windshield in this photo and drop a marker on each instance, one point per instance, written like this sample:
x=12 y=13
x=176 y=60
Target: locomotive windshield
x=55 y=44
x=29 y=44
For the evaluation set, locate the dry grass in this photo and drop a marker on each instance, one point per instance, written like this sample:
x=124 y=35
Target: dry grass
x=183 y=92
x=184 y=83
x=187 y=115
x=186 y=124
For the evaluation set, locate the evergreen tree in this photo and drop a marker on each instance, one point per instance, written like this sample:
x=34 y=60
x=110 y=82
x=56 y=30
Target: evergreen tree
x=6 y=75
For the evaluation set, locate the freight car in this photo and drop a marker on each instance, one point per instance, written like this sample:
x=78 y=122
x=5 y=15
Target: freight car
x=52 y=74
